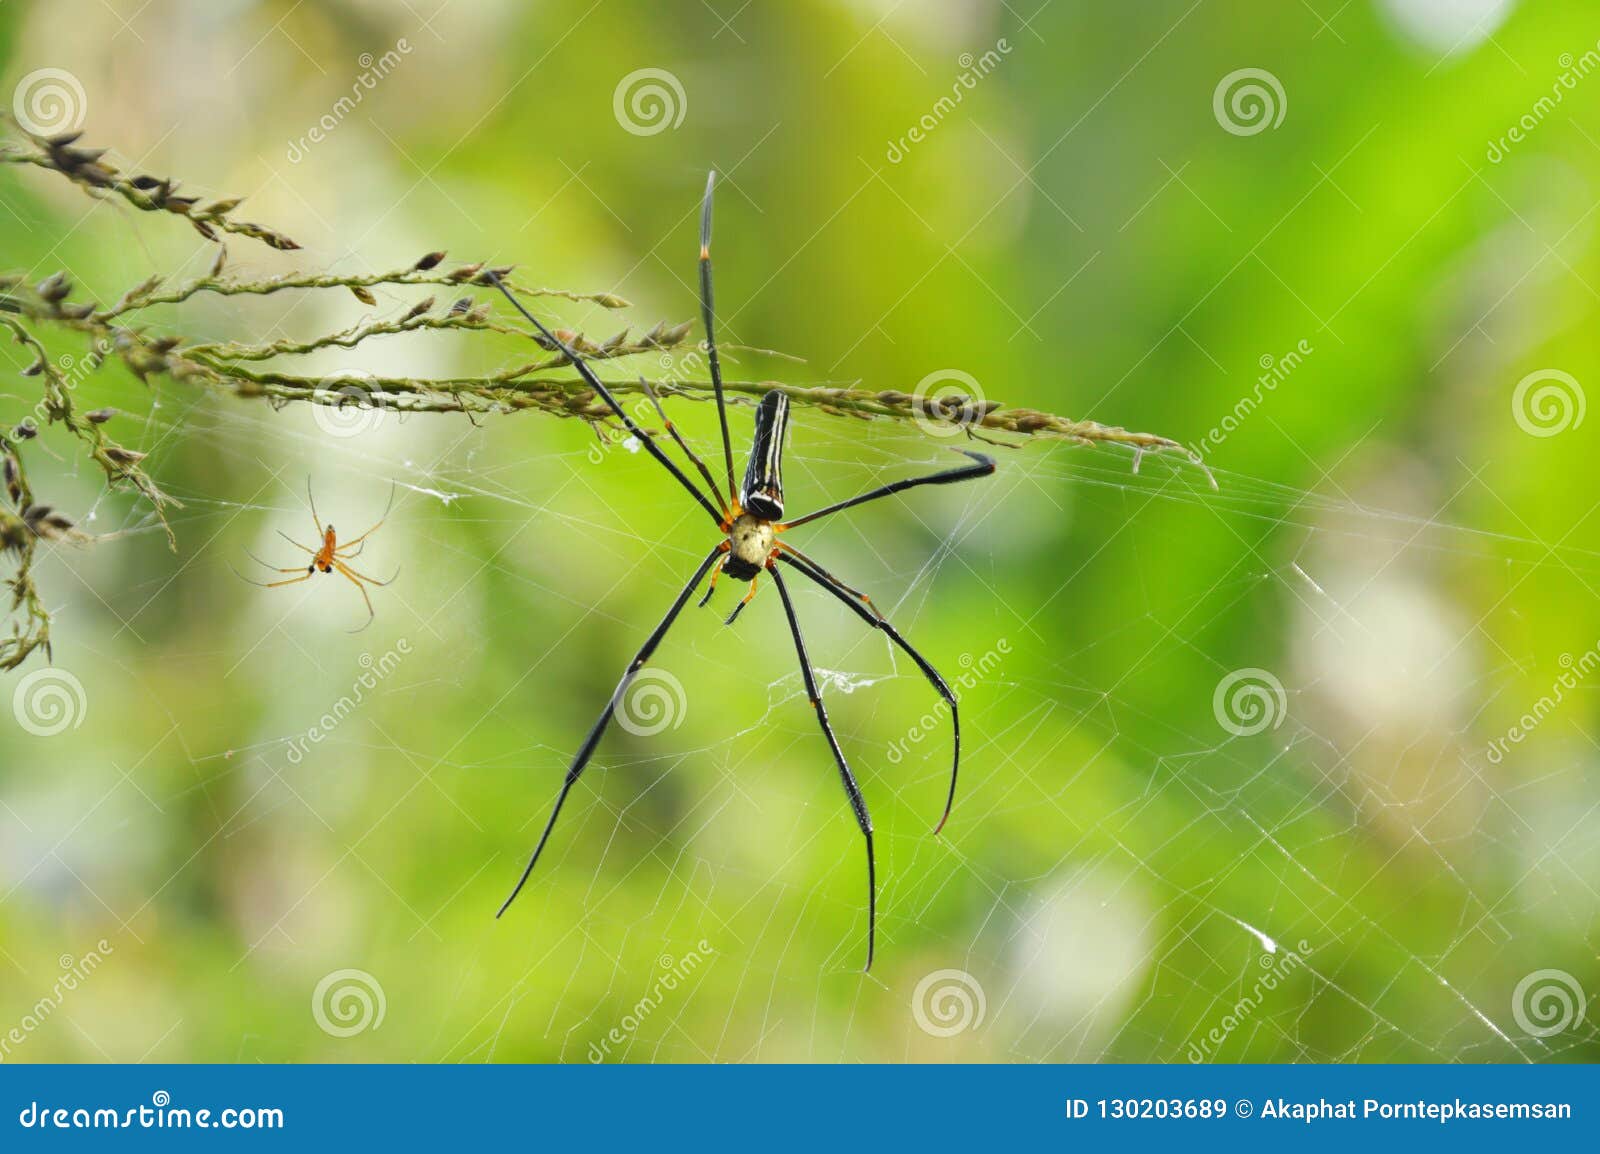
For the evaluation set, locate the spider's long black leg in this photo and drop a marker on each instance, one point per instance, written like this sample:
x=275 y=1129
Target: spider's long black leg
x=586 y=750
x=694 y=457
x=982 y=466
x=860 y=605
x=857 y=802
x=708 y=318
x=833 y=578
x=606 y=395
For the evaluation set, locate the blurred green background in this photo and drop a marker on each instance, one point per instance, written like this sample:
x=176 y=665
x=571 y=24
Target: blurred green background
x=1357 y=283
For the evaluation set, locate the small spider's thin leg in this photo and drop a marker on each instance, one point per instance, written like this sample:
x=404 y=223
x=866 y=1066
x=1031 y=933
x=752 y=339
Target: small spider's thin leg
x=315 y=520
x=743 y=601
x=276 y=584
x=605 y=394
x=672 y=429
x=878 y=621
x=355 y=580
x=296 y=544
x=982 y=467
x=386 y=511
x=712 y=587
x=338 y=563
x=708 y=319
x=996 y=442
x=586 y=750
x=274 y=568
x=340 y=551
x=857 y=802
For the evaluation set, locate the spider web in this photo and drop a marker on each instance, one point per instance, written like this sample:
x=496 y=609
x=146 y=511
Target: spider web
x=1121 y=873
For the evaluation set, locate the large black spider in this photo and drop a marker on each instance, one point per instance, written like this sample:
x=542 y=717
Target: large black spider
x=752 y=520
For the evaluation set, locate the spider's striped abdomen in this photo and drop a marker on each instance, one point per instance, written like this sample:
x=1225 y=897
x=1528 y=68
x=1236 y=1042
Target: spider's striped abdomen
x=763 y=477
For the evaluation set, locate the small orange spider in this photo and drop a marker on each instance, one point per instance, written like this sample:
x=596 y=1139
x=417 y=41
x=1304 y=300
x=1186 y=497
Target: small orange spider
x=331 y=557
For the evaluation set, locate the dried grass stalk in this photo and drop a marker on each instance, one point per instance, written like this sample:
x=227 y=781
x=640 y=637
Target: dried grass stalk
x=119 y=331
